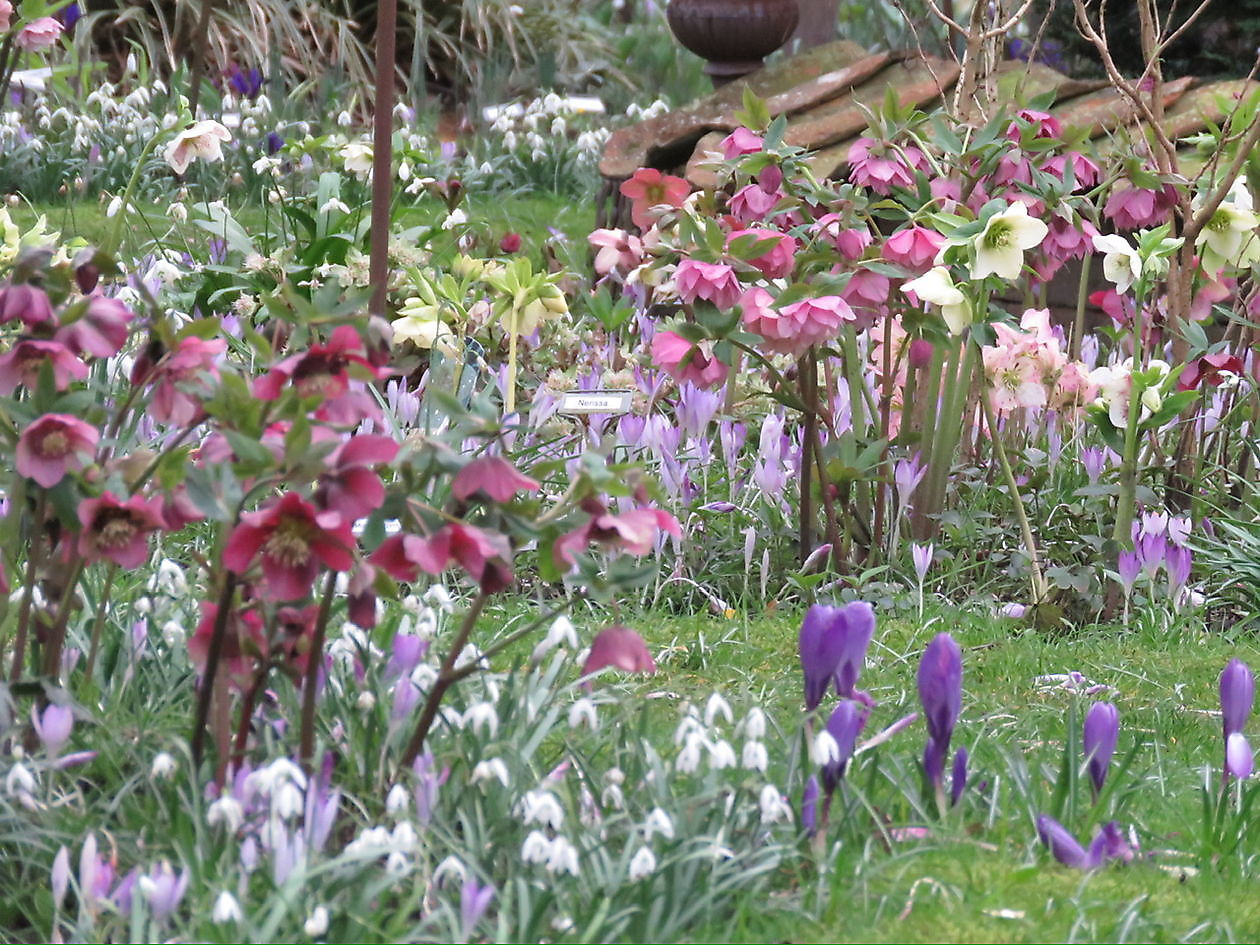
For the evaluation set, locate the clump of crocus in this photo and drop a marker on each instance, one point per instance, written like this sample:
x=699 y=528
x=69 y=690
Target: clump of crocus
x=1102 y=728
x=940 y=692
x=1238 y=690
x=833 y=644
x=1108 y=844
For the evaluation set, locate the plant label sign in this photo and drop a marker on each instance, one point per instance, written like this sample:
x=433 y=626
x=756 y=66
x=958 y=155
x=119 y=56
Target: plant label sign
x=596 y=401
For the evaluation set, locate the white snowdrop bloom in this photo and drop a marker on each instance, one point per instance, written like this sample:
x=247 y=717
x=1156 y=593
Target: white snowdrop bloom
x=366 y=701
x=266 y=164
x=716 y=706
x=226 y=909
x=163 y=766
x=450 y=868
x=613 y=797
x=491 y=768
x=824 y=749
x=754 y=756
x=509 y=140
x=563 y=857
x=559 y=127
x=372 y=841
x=403 y=836
x=411 y=605
x=721 y=755
x=397 y=863
x=451 y=717
x=536 y=848
x=440 y=598
x=287 y=801
x=423 y=676
x=486 y=168
x=755 y=723
x=658 y=822
x=689 y=725
x=344 y=119
x=317 y=923
x=541 y=807
x=774 y=807
x=398 y=800
x=642 y=864
x=173 y=633
x=582 y=712
x=456 y=217
x=482 y=715
x=692 y=751
x=560 y=633
x=114 y=207
x=19 y=780
x=334 y=204
x=227 y=811
x=179 y=213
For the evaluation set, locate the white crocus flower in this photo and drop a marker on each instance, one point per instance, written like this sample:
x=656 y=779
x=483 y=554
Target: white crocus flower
x=936 y=288
x=1121 y=263
x=1001 y=244
x=202 y=139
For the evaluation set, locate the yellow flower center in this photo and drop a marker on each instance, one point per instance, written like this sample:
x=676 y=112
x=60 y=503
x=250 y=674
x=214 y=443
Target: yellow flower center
x=288 y=544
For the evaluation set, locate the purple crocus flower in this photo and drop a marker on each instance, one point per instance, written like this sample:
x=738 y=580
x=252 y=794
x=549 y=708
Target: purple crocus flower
x=809 y=805
x=922 y=555
x=474 y=899
x=1094 y=459
x=958 y=777
x=845 y=725
x=406 y=651
x=163 y=889
x=53 y=726
x=1238 y=689
x=940 y=692
x=833 y=644
x=1102 y=728
x=1239 y=759
x=1108 y=844
x=1177 y=563
x=1128 y=567
x=907 y=474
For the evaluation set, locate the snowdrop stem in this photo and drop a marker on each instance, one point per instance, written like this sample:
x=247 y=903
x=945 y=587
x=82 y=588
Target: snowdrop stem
x=447 y=676
x=1017 y=501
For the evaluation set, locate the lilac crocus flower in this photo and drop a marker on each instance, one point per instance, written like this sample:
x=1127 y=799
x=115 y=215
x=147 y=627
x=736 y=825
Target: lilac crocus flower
x=1102 y=728
x=406 y=651
x=53 y=726
x=163 y=889
x=1238 y=690
x=1239 y=758
x=474 y=900
x=1128 y=567
x=833 y=644
x=907 y=474
x=940 y=692
x=809 y=805
x=1178 y=561
x=1094 y=460
x=922 y=555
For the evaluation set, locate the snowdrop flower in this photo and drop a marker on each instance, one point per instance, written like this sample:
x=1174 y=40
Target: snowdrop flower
x=226 y=909
x=721 y=755
x=936 y=288
x=227 y=811
x=482 y=715
x=774 y=806
x=19 y=780
x=439 y=597
x=689 y=758
x=174 y=633
x=1121 y=263
x=169 y=579
x=642 y=865
x=114 y=207
x=398 y=800
x=563 y=857
x=582 y=712
x=536 y=848
x=755 y=757
x=203 y=139
x=1001 y=244
x=561 y=633
x=716 y=706
x=491 y=768
x=163 y=766
x=755 y=723
x=541 y=807
x=334 y=204
x=824 y=750
x=317 y=924
x=456 y=217
x=452 y=866
x=658 y=822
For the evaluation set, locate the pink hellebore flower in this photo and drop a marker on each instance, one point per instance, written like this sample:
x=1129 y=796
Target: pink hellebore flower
x=753 y=202
x=713 y=282
x=492 y=477
x=867 y=289
x=619 y=252
x=793 y=328
x=202 y=139
x=880 y=166
x=1044 y=125
x=778 y=251
x=6 y=14
x=739 y=142
x=634 y=532
x=118 y=531
x=293 y=541
x=180 y=379
x=351 y=487
x=100 y=331
x=648 y=189
x=914 y=247
x=324 y=371
x=22 y=365
x=42 y=33
x=53 y=444
x=621 y=648
x=687 y=362
x=29 y=303
x=851 y=243
x=1133 y=207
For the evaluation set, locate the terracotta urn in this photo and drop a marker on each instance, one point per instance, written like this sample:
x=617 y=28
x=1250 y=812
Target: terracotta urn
x=733 y=35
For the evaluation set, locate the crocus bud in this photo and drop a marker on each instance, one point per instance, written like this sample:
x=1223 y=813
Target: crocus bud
x=958 y=778
x=1239 y=759
x=1102 y=728
x=1063 y=846
x=1238 y=689
x=940 y=692
x=833 y=642
x=809 y=806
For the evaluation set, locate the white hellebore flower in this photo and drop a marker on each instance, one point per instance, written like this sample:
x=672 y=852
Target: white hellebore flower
x=1230 y=233
x=1121 y=263
x=1001 y=244
x=642 y=864
x=423 y=326
x=202 y=139
x=936 y=288
x=358 y=159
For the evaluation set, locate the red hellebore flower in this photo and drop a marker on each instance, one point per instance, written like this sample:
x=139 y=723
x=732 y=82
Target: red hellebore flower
x=619 y=647
x=650 y=188
x=100 y=331
x=1208 y=370
x=634 y=531
x=493 y=477
x=352 y=486
x=29 y=303
x=118 y=531
x=485 y=556
x=293 y=541
x=244 y=643
x=53 y=444
x=324 y=371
